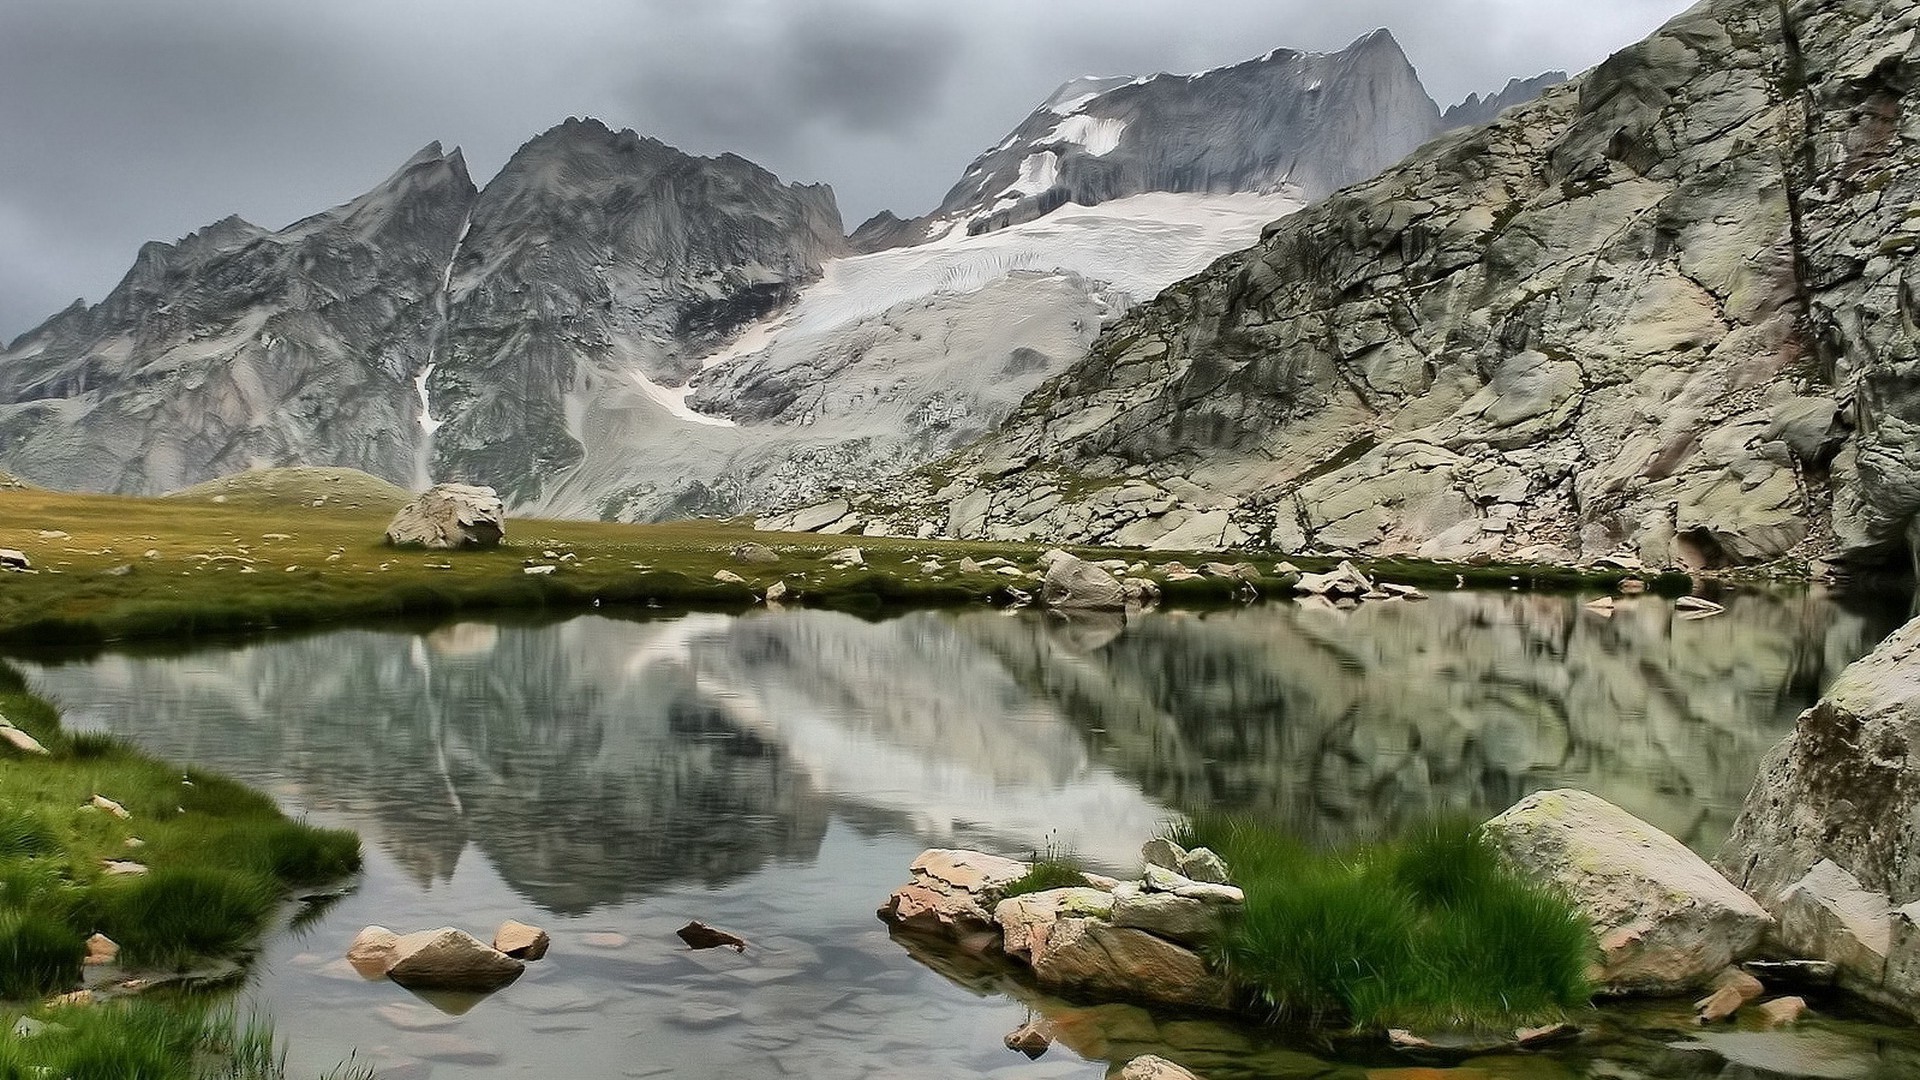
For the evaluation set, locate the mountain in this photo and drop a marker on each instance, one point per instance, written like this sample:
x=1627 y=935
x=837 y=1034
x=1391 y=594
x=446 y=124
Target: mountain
x=613 y=328
x=1477 y=110
x=1305 y=124
x=425 y=329
x=1663 y=313
x=239 y=346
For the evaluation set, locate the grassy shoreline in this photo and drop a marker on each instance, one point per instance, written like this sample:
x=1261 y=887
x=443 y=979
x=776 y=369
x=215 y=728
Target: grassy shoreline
x=113 y=568
x=176 y=869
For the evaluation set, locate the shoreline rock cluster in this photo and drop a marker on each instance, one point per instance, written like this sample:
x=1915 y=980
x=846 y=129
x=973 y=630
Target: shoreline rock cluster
x=1665 y=922
x=1132 y=939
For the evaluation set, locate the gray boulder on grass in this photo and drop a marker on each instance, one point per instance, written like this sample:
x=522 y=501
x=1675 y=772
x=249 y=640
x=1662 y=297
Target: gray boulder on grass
x=450 y=516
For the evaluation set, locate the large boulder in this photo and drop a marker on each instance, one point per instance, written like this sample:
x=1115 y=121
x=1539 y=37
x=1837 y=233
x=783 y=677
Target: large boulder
x=952 y=892
x=1073 y=582
x=1666 y=921
x=450 y=959
x=1825 y=838
x=1844 y=786
x=450 y=516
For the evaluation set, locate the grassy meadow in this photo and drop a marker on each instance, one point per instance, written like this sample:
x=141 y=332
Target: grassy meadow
x=307 y=548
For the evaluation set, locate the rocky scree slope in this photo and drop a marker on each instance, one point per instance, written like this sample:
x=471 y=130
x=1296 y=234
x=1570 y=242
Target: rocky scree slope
x=1666 y=312
x=426 y=329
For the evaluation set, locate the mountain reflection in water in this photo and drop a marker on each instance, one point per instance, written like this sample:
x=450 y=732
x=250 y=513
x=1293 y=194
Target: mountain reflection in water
x=596 y=759
x=774 y=774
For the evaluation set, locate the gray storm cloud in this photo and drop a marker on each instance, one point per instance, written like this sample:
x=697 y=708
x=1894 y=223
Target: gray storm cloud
x=126 y=120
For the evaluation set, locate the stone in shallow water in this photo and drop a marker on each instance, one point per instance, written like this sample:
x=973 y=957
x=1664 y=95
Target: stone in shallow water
x=450 y=959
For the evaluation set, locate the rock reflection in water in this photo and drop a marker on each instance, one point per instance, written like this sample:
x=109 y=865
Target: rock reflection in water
x=1341 y=723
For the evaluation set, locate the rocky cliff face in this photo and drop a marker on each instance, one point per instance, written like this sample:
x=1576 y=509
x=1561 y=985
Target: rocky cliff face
x=239 y=346
x=1303 y=123
x=1665 y=312
x=426 y=329
x=595 y=257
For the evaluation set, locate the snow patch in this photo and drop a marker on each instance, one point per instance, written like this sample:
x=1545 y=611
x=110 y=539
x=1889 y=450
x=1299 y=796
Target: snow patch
x=674 y=400
x=1038 y=173
x=427 y=422
x=1099 y=135
x=1138 y=245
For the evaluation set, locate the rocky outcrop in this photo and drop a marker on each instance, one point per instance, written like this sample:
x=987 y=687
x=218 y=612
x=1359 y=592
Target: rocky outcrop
x=1666 y=921
x=450 y=516
x=1645 y=315
x=952 y=892
x=1825 y=840
x=1130 y=940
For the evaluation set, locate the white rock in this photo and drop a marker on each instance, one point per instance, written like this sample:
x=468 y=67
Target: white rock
x=1666 y=921
x=450 y=516
x=1072 y=582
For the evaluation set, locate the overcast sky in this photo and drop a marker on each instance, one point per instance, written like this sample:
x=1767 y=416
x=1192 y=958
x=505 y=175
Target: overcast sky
x=123 y=121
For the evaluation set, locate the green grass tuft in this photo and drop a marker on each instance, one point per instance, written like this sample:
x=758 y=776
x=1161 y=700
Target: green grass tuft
x=1428 y=931
x=171 y=916
x=145 y=1040
x=39 y=954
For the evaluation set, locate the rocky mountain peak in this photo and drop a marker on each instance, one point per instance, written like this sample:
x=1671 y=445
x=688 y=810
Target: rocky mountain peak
x=1304 y=123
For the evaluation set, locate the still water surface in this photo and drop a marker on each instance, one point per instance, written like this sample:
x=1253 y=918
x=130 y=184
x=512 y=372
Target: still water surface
x=774 y=774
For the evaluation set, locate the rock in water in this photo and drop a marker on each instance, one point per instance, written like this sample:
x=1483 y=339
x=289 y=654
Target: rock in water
x=1093 y=956
x=1825 y=839
x=1844 y=786
x=450 y=959
x=1031 y=1038
x=699 y=935
x=520 y=941
x=952 y=892
x=1666 y=921
x=450 y=516
x=372 y=951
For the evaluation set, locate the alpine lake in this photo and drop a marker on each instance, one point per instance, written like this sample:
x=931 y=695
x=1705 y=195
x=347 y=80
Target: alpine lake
x=613 y=776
